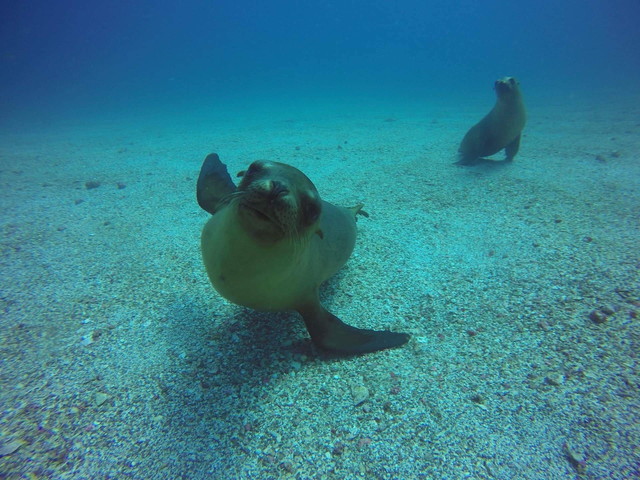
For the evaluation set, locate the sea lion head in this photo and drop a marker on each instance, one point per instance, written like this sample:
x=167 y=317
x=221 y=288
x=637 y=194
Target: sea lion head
x=506 y=86
x=275 y=201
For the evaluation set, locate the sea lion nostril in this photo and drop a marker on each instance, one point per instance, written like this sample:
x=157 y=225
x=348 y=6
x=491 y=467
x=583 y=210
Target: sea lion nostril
x=278 y=189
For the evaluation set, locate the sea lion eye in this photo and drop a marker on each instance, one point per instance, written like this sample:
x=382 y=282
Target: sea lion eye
x=512 y=81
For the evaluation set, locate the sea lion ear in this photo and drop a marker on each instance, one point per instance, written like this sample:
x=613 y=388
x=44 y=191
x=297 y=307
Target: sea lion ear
x=319 y=233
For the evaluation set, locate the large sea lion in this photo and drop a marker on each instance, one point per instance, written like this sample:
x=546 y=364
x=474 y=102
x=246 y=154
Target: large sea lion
x=500 y=128
x=272 y=241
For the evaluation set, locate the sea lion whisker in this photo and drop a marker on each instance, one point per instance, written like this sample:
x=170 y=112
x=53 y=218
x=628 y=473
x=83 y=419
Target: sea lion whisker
x=229 y=198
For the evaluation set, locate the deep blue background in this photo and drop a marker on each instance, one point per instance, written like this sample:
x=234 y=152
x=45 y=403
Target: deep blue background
x=82 y=57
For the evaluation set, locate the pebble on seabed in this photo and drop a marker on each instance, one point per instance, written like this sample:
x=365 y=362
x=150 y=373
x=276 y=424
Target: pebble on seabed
x=360 y=394
x=101 y=398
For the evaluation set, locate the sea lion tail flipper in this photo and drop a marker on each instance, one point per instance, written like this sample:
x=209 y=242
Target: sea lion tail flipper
x=330 y=333
x=512 y=148
x=214 y=183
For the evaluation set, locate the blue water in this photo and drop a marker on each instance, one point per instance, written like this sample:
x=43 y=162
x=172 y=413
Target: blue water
x=71 y=59
x=119 y=360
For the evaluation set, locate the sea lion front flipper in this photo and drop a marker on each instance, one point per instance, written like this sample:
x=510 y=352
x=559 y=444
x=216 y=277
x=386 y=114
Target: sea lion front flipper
x=330 y=333
x=214 y=183
x=470 y=162
x=512 y=148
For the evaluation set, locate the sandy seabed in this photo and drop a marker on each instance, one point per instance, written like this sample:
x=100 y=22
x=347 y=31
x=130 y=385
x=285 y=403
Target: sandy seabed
x=518 y=282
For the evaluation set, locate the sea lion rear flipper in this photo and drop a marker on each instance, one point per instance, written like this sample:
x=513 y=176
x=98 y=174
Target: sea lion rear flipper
x=330 y=333
x=512 y=148
x=214 y=183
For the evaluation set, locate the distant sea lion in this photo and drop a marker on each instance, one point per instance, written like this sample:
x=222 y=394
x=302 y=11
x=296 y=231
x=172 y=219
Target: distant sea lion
x=272 y=241
x=500 y=128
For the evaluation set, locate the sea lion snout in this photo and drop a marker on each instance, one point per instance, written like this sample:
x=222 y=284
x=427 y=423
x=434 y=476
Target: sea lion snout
x=505 y=84
x=269 y=192
x=269 y=206
x=259 y=180
x=276 y=190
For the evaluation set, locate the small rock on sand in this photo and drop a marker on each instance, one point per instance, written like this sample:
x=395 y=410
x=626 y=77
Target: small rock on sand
x=10 y=447
x=360 y=394
x=101 y=398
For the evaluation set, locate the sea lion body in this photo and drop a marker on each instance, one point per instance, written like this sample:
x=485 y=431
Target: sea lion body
x=272 y=242
x=500 y=128
x=274 y=276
